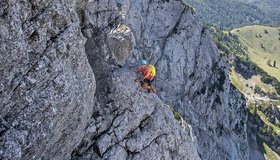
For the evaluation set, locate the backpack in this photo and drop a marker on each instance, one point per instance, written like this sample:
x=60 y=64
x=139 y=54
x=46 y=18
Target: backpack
x=153 y=69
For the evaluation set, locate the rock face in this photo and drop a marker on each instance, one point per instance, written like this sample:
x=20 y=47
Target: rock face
x=134 y=125
x=254 y=148
x=52 y=107
x=191 y=75
x=47 y=85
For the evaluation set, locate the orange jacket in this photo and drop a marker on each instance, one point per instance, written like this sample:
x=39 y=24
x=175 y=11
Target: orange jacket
x=146 y=71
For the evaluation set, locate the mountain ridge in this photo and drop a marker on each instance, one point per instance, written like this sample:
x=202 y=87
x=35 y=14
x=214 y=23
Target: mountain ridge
x=79 y=100
x=240 y=13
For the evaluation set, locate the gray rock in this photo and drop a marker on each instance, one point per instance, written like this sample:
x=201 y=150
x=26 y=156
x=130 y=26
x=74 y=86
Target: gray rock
x=53 y=107
x=48 y=86
x=191 y=76
x=142 y=127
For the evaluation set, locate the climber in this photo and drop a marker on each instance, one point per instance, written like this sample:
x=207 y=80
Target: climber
x=148 y=72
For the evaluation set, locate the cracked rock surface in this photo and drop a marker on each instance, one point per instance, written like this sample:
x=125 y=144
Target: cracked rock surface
x=137 y=125
x=191 y=76
x=53 y=107
x=47 y=86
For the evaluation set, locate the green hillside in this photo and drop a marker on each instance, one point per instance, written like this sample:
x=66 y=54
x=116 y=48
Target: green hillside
x=234 y=13
x=260 y=88
x=263 y=45
x=250 y=75
x=270 y=7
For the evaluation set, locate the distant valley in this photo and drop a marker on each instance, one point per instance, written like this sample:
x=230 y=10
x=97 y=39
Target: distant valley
x=237 y=13
x=247 y=33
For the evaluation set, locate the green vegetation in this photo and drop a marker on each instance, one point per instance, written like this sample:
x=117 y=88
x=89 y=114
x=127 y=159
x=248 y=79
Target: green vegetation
x=261 y=88
x=259 y=91
x=178 y=117
x=233 y=13
x=271 y=128
x=235 y=80
x=262 y=50
x=266 y=116
x=269 y=154
x=254 y=56
x=270 y=7
x=238 y=54
x=228 y=43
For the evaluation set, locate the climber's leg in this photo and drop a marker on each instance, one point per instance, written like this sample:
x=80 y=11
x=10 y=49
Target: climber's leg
x=146 y=85
x=153 y=88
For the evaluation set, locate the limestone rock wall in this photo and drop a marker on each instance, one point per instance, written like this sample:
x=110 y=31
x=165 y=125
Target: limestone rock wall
x=53 y=107
x=46 y=86
x=191 y=76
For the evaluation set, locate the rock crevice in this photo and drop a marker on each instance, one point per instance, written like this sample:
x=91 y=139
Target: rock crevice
x=68 y=91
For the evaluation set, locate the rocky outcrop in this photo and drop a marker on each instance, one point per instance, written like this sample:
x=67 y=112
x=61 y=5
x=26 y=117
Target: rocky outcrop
x=134 y=125
x=260 y=134
x=47 y=86
x=127 y=123
x=255 y=142
x=52 y=107
x=192 y=76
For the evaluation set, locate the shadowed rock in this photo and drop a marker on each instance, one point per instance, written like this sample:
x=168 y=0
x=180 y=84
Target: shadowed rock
x=52 y=107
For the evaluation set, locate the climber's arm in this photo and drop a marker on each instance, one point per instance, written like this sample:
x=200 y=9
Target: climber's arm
x=145 y=77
